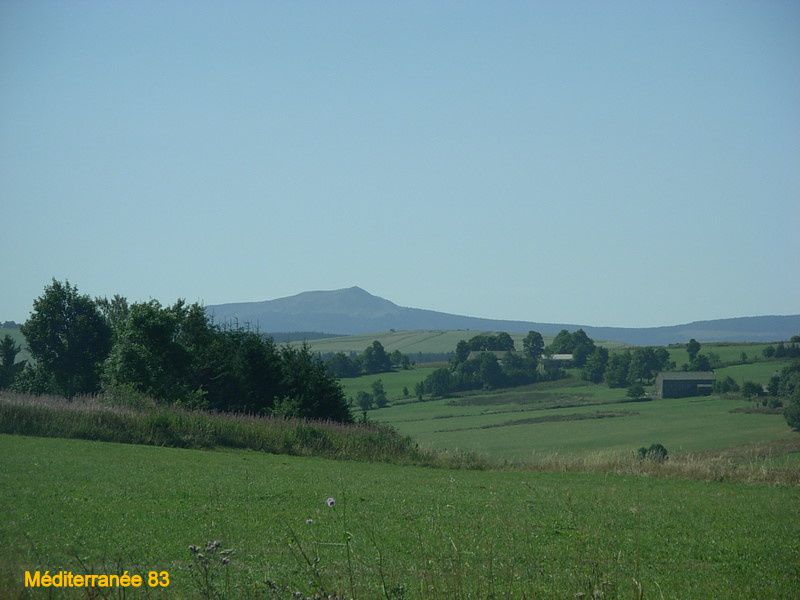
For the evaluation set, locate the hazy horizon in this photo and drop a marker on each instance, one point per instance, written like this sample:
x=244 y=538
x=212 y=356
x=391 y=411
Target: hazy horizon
x=573 y=321
x=480 y=316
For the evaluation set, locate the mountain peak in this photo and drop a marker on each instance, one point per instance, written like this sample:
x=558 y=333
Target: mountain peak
x=356 y=290
x=353 y=310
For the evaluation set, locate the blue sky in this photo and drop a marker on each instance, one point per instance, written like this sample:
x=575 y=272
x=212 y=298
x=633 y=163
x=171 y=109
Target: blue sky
x=623 y=163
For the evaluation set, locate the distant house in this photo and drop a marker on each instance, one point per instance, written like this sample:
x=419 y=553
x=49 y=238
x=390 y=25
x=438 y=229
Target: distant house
x=682 y=384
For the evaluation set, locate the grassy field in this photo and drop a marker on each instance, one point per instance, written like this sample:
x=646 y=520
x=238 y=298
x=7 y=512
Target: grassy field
x=728 y=353
x=570 y=513
x=411 y=532
x=393 y=382
x=759 y=372
x=576 y=417
x=506 y=431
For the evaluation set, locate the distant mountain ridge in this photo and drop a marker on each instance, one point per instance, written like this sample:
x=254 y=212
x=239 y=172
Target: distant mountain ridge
x=352 y=311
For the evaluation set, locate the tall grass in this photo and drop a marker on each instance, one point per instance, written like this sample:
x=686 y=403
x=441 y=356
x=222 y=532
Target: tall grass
x=103 y=418
x=756 y=463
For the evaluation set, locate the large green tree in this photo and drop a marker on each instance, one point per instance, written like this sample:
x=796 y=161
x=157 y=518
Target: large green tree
x=533 y=344
x=618 y=369
x=462 y=351
x=489 y=369
x=646 y=362
x=562 y=343
x=582 y=347
x=595 y=366
x=310 y=392
x=114 y=310
x=147 y=354
x=68 y=338
x=375 y=359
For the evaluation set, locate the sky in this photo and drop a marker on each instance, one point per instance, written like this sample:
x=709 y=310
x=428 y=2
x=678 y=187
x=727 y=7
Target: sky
x=620 y=163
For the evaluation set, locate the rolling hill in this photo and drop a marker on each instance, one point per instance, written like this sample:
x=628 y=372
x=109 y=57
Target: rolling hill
x=353 y=311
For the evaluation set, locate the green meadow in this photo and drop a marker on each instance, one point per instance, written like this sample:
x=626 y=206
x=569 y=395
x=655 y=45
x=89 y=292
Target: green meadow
x=553 y=504
x=394 y=532
x=727 y=352
x=759 y=372
x=393 y=382
x=575 y=417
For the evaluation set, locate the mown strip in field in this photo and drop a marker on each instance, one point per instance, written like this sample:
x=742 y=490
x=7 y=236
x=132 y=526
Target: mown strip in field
x=605 y=414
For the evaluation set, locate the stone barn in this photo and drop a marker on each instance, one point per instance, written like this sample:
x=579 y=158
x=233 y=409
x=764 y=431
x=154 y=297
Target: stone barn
x=680 y=384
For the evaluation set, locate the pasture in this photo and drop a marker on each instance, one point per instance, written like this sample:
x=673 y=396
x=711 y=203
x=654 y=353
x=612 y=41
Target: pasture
x=759 y=372
x=572 y=416
x=394 y=532
x=393 y=382
x=727 y=352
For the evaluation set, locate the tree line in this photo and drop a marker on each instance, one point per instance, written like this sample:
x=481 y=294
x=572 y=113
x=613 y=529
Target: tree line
x=630 y=367
x=625 y=368
x=175 y=354
x=486 y=371
x=374 y=359
x=619 y=369
x=791 y=349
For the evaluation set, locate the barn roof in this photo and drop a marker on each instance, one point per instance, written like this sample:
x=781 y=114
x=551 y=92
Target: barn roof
x=687 y=375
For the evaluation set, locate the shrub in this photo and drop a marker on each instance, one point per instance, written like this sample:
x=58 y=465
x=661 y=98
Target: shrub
x=656 y=453
x=636 y=391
